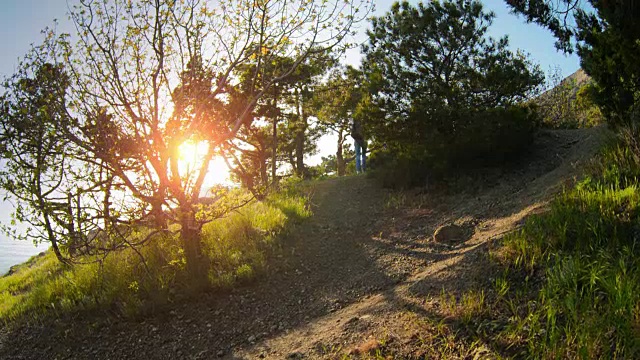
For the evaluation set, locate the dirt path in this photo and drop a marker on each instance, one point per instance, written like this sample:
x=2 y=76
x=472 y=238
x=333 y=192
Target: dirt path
x=358 y=276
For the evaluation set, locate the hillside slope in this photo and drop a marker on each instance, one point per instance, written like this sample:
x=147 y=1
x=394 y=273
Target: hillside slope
x=362 y=275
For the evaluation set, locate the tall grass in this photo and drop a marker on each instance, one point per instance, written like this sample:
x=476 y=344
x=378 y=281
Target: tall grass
x=236 y=245
x=131 y=282
x=586 y=253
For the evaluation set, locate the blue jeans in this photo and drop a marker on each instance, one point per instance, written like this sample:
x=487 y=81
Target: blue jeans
x=361 y=157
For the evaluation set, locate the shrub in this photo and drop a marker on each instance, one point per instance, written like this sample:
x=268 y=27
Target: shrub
x=490 y=137
x=466 y=140
x=399 y=170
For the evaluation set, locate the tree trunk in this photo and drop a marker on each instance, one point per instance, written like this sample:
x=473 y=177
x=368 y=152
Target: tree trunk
x=292 y=162
x=264 y=176
x=300 y=169
x=339 y=155
x=190 y=234
x=158 y=217
x=301 y=128
x=274 y=165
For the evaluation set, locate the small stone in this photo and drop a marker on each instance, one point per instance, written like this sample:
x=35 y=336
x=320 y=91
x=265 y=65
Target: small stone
x=449 y=234
x=252 y=339
x=220 y=353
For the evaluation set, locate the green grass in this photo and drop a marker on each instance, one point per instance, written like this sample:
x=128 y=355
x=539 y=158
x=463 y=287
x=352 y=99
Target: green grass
x=131 y=283
x=565 y=286
x=236 y=245
x=585 y=256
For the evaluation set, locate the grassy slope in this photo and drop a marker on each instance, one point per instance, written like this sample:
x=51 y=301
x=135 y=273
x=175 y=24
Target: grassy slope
x=235 y=245
x=572 y=277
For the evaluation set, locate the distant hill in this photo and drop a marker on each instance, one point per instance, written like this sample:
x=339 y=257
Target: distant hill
x=558 y=105
x=575 y=80
x=580 y=77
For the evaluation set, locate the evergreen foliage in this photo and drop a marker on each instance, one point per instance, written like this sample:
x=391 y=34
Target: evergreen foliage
x=606 y=35
x=442 y=89
x=337 y=102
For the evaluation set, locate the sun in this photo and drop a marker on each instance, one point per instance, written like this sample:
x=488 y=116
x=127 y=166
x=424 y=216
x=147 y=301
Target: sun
x=190 y=156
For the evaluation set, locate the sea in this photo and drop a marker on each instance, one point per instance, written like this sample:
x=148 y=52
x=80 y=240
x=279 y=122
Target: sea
x=13 y=252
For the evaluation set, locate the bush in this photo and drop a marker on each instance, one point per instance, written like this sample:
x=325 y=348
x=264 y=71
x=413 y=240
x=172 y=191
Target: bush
x=490 y=137
x=462 y=141
x=398 y=170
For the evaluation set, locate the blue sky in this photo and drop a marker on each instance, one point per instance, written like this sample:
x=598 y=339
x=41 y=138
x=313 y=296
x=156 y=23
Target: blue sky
x=530 y=38
x=20 y=24
x=22 y=20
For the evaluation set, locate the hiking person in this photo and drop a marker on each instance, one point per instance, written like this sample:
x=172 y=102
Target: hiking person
x=360 y=145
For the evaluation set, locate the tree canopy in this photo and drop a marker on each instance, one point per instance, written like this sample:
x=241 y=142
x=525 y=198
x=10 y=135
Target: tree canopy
x=337 y=102
x=429 y=64
x=140 y=79
x=606 y=36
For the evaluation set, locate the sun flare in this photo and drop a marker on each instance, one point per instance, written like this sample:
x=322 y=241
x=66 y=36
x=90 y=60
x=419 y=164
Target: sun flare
x=191 y=155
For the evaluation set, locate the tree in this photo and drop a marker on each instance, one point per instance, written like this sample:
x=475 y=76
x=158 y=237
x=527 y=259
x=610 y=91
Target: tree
x=586 y=105
x=432 y=69
x=249 y=159
x=557 y=16
x=284 y=110
x=268 y=111
x=32 y=168
x=309 y=74
x=338 y=99
x=145 y=78
x=328 y=165
x=557 y=104
x=606 y=35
